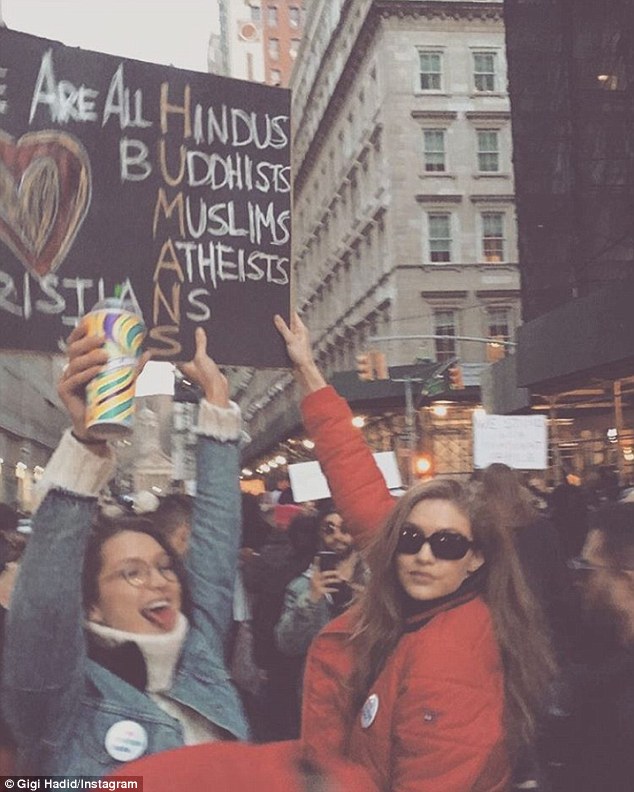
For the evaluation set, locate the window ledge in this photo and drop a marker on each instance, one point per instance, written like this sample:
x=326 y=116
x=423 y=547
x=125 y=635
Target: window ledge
x=495 y=94
x=437 y=175
x=492 y=198
x=491 y=175
x=429 y=266
x=459 y=266
x=420 y=92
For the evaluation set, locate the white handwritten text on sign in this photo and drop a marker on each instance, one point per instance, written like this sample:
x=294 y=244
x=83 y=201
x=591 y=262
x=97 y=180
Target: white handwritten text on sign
x=519 y=441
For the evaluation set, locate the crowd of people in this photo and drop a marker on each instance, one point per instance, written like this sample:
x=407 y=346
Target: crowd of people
x=463 y=637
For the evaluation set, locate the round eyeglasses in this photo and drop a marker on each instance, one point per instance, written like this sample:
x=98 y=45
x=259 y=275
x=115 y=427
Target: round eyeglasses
x=445 y=545
x=139 y=573
x=581 y=564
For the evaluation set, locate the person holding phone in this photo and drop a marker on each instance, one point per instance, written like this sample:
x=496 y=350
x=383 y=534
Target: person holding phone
x=434 y=680
x=323 y=591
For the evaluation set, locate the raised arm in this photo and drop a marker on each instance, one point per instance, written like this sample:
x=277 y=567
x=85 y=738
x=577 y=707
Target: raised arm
x=212 y=558
x=356 y=483
x=44 y=646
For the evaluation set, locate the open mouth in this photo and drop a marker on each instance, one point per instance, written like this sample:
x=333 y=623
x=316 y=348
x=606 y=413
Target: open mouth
x=161 y=614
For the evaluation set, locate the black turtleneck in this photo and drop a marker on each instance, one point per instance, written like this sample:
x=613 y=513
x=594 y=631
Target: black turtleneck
x=418 y=612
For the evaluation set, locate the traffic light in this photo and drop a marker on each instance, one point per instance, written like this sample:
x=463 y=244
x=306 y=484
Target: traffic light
x=365 y=369
x=422 y=466
x=372 y=365
x=456 y=381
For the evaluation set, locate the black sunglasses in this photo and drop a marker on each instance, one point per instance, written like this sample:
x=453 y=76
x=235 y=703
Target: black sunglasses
x=445 y=545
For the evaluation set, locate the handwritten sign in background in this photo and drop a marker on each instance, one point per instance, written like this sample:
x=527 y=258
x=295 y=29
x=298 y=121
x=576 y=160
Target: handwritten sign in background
x=173 y=183
x=519 y=441
x=309 y=483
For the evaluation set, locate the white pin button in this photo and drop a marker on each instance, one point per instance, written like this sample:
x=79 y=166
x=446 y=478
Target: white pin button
x=126 y=740
x=369 y=710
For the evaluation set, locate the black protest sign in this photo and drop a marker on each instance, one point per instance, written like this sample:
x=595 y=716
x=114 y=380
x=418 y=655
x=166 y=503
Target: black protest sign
x=167 y=187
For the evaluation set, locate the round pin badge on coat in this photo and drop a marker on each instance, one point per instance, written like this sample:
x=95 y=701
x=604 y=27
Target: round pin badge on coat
x=369 y=710
x=126 y=740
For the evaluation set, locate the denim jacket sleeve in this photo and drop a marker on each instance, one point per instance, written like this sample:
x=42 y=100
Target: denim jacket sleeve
x=212 y=559
x=45 y=656
x=301 y=618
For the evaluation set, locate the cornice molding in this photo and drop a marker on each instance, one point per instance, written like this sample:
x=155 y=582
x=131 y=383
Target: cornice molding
x=436 y=198
x=488 y=115
x=492 y=199
x=444 y=295
x=444 y=10
x=496 y=294
x=435 y=115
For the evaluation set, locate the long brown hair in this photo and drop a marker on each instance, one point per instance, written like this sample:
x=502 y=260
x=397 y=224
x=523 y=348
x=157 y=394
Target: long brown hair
x=503 y=489
x=517 y=620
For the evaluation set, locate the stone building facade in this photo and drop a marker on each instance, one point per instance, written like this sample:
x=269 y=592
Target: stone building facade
x=31 y=422
x=571 y=75
x=404 y=217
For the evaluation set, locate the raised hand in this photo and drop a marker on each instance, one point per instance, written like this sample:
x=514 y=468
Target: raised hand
x=300 y=351
x=322 y=583
x=204 y=372
x=86 y=358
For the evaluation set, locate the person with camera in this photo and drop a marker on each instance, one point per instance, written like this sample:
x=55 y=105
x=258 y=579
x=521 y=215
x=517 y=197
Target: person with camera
x=115 y=647
x=324 y=590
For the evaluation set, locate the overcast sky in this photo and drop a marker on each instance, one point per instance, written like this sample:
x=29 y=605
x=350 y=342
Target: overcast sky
x=173 y=32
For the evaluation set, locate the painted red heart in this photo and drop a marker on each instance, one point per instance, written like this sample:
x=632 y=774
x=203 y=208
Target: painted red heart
x=45 y=190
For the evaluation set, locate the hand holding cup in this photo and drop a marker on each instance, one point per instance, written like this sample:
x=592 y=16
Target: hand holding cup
x=87 y=359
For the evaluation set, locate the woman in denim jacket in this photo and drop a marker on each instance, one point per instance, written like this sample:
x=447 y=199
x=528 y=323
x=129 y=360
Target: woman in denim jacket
x=119 y=667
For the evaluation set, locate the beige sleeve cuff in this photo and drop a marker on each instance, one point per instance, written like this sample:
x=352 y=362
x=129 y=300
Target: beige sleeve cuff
x=221 y=423
x=75 y=468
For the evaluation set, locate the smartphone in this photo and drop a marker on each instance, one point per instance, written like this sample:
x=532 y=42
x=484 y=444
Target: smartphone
x=327 y=560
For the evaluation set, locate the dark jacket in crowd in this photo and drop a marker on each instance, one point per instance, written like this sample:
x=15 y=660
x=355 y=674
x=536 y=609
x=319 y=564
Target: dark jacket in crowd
x=569 y=514
x=544 y=565
x=597 y=753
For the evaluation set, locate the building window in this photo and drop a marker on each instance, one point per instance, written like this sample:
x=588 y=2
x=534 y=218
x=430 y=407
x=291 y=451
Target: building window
x=294 y=16
x=498 y=331
x=493 y=237
x=488 y=151
x=439 y=237
x=484 y=77
x=294 y=49
x=445 y=325
x=276 y=77
x=272 y=16
x=434 y=140
x=256 y=13
x=274 y=48
x=430 y=71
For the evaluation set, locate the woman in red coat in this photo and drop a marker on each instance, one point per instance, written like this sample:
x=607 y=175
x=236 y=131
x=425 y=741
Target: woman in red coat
x=433 y=680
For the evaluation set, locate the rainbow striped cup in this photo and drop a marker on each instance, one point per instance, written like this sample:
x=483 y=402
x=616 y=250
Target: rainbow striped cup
x=110 y=395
